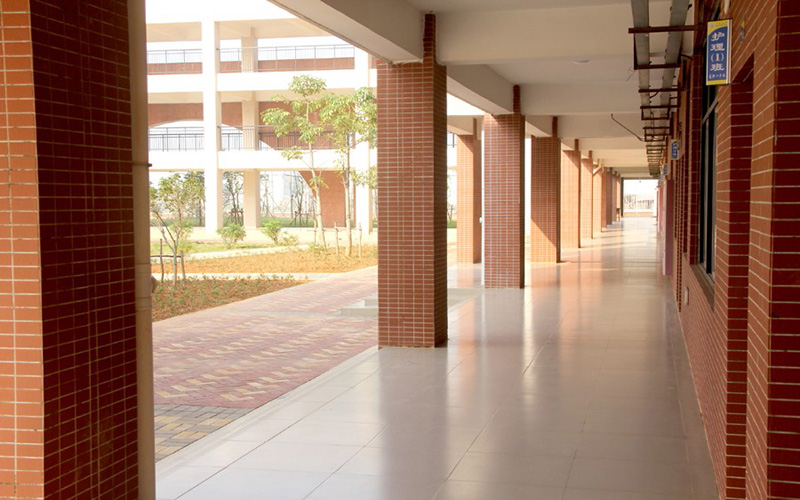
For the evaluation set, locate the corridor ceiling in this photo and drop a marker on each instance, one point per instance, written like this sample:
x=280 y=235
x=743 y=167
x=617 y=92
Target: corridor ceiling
x=572 y=59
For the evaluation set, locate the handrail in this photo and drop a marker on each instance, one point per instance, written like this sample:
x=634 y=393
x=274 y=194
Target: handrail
x=174 y=61
x=244 y=139
x=301 y=57
x=176 y=139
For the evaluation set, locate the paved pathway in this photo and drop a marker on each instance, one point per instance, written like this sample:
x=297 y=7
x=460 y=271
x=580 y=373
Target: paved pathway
x=216 y=365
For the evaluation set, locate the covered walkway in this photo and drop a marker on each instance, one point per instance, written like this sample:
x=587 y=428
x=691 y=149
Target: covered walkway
x=576 y=387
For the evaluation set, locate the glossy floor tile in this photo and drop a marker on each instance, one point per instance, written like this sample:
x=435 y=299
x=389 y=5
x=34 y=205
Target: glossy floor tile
x=576 y=387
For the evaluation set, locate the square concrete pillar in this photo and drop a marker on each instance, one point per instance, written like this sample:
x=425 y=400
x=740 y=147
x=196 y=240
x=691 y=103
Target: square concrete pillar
x=587 y=165
x=504 y=203
x=570 y=197
x=546 y=197
x=412 y=204
x=469 y=197
x=597 y=202
x=251 y=187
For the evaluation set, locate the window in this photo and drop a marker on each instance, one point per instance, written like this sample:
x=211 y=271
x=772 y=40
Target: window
x=708 y=171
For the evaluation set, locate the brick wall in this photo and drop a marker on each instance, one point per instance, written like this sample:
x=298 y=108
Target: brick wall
x=504 y=155
x=332 y=198
x=570 y=198
x=67 y=252
x=741 y=325
x=469 y=199
x=586 y=200
x=546 y=197
x=160 y=113
x=412 y=182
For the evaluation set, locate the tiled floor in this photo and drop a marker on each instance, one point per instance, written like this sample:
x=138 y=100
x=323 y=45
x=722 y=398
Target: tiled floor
x=215 y=365
x=575 y=388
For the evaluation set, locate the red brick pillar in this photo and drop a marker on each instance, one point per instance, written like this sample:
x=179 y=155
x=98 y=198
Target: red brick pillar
x=468 y=208
x=587 y=165
x=597 y=202
x=570 y=197
x=412 y=204
x=67 y=318
x=504 y=155
x=546 y=197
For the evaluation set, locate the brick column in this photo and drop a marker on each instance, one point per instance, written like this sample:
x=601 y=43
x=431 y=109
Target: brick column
x=570 y=197
x=412 y=187
x=597 y=202
x=587 y=165
x=546 y=197
x=67 y=313
x=504 y=155
x=468 y=208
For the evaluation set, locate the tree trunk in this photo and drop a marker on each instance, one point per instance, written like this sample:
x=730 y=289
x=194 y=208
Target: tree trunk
x=348 y=212
x=318 y=218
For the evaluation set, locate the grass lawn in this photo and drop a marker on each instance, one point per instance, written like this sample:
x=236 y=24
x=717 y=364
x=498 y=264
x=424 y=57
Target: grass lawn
x=195 y=294
x=297 y=261
x=211 y=246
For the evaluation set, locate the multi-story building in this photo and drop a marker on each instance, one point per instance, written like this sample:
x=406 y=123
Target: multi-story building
x=211 y=74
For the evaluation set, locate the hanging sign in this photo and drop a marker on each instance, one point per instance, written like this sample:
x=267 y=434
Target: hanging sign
x=718 y=53
x=675 y=150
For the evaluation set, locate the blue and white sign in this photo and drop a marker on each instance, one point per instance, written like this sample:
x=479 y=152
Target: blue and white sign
x=675 y=150
x=718 y=53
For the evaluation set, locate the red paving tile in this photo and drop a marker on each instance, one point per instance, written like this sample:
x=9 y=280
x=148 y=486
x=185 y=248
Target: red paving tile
x=245 y=354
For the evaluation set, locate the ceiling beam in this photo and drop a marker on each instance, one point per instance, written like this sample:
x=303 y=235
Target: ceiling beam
x=390 y=29
x=498 y=36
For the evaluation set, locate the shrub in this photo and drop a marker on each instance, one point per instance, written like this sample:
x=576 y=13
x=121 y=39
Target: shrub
x=272 y=230
x=289 y=240
x=231 y=234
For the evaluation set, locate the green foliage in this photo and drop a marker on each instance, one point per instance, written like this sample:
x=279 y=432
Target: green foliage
x=316 y=248
x=368 y=178
x=272 y=230
x=301 y=117
x=172 y=204
x=289 y=240
x=353 y=119
x=231 y=235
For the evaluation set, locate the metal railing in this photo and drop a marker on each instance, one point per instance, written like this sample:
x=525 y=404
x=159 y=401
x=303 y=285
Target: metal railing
x=175 y=139
x=170 y=62
x=300 y=58
x=264 y=138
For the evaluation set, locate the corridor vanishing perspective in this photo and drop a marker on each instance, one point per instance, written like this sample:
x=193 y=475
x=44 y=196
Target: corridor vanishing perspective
x=574 y=388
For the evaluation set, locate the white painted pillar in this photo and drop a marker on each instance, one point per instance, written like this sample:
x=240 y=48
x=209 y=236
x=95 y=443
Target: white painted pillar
x=252 y=198
x=250 y=123
x=137 y=37
x=362 y=156
x=249 y=53
x=212 y=120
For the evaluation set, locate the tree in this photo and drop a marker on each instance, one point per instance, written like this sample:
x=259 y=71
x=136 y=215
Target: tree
x=302 y=118
x=232 y=190
x=199 y=207
x=172 y=203
x=353 y=120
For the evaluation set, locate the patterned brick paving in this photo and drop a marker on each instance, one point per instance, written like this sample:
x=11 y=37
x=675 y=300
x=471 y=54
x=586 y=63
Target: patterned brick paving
x=214 y=366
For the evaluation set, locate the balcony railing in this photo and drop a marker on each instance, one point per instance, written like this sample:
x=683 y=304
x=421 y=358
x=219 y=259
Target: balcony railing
x=263 y=138
x=301 y=58
x=176 y=139
x=171 y=62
